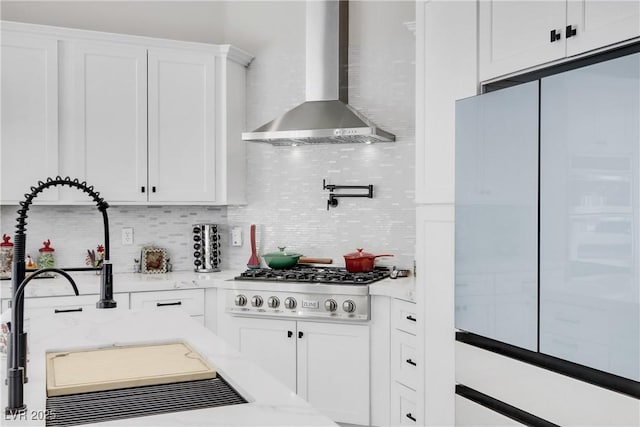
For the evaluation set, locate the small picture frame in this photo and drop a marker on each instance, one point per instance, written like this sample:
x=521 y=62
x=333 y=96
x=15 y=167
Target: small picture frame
x=154 y=260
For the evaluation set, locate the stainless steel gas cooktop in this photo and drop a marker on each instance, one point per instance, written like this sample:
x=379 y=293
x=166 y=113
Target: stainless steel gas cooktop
x=315 y=274
x=304 y=291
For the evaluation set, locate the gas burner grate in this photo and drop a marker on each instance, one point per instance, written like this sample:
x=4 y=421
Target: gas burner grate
x=311 y=274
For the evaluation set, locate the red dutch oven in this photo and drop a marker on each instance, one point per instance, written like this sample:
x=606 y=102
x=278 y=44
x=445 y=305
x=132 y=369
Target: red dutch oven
x=361 y=262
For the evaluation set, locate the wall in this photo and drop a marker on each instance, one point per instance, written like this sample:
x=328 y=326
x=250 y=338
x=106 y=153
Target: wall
x=285 y=196
x=285 y=190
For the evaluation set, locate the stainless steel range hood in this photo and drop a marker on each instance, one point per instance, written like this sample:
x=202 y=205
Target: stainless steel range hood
x=326 y=116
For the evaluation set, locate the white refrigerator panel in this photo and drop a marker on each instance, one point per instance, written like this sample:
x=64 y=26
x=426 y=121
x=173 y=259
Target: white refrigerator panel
x=589 y=210
x=497 y=215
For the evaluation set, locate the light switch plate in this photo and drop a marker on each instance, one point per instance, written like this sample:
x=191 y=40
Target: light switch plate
x=236 y=236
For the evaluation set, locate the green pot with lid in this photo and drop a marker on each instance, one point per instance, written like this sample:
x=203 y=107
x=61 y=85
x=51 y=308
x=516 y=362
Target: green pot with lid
x=281 y=259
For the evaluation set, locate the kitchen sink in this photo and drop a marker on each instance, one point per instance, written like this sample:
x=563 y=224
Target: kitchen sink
x=119 y=382
x=110 y=405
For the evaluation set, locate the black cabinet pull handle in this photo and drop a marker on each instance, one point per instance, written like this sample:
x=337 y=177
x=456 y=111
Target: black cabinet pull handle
x=165 y=304
x=410 y=417
x=153 y=189
x=555 y=35
x=289 y=334
x=570 y=31
x=410 y=317
x=300 y=334
x=411 y=362
x=68 y=310
x=142 y=189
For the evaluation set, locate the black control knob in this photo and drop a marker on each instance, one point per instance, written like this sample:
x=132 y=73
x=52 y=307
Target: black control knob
x=330 y=305
x=241 y=300
x=273 y=302
x=197 y=238
x=290 y=303
x=256 y=301
x=349 y=306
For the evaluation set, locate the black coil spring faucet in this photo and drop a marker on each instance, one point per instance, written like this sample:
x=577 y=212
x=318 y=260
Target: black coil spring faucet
x=17 y=362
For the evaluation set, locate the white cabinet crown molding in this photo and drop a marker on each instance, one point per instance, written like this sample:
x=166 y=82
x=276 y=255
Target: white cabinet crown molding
x=63 y=33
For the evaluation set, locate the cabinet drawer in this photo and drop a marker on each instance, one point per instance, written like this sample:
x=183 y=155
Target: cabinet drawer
x=404 y=316
x=67 y=304
x=404 y=359
x=471 y=414
x=188 y=300
x=403 y=405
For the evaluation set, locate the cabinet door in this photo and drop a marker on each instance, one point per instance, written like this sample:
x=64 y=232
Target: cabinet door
x=496 y=214
x=109 y=119
x=515 y=35
x=271 y=344
x=181 y=126
x=333 y=370
x=599 y=23
x=589 y=181
x=29 y=115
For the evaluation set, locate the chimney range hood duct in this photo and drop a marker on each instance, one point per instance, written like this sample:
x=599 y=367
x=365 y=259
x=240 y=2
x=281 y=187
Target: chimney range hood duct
x=326 y=116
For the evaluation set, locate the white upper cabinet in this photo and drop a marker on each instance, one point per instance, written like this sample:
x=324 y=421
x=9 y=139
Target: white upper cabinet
x=29 y=123
x=517 y=35
x=181 y=126
x=142 y=120
x=108 y=118
x=601 y=23
x=441 y=79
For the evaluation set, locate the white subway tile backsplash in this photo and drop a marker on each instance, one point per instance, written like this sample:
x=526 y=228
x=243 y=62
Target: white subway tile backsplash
x=75 y=229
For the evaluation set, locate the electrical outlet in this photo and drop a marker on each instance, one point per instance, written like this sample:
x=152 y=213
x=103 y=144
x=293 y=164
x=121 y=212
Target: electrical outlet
x=236 y=236
x=127 y=236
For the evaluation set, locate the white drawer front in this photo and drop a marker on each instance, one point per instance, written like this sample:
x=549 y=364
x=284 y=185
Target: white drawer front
x=69 y=304
x=471 y=414
x=403 y=406
x=404 y=316
x=188 y=300
x=404 y=359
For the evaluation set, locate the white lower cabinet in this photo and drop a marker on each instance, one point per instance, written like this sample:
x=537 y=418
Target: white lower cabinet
x=195 y=302
x=405 y=372
x=325 y=363
x=190 y=301
x=270 y=344
x=67 y=304
x=403 y=405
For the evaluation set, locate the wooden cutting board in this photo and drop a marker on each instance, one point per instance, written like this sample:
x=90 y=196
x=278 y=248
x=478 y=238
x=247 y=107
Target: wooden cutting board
x=123 y=367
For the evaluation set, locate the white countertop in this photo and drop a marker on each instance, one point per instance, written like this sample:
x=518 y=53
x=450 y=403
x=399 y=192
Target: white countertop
x=89 y=283
x=402 y=288
x=270 y=403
